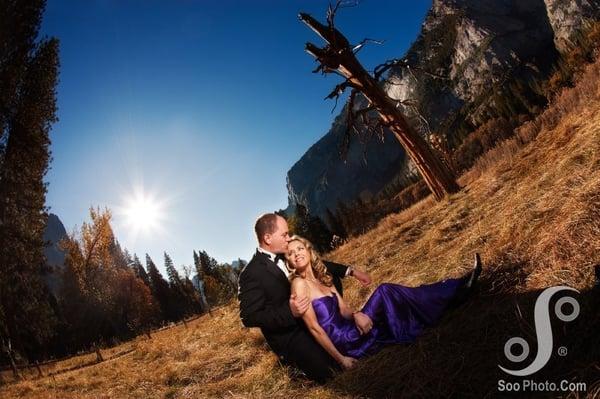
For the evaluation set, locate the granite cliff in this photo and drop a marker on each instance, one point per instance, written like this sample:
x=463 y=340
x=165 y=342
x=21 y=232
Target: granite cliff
x=469 y=49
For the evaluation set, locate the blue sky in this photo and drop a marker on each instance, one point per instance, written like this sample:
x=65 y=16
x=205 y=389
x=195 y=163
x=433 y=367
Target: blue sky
x=202 y=105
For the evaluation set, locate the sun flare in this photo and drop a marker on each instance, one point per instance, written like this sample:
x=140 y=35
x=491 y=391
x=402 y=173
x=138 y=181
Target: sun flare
x=142 y=213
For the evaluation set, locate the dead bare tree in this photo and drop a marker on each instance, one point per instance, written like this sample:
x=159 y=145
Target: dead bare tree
x=338 y=56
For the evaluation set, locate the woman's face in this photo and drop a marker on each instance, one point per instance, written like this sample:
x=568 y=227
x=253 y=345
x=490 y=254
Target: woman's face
x=298 y=255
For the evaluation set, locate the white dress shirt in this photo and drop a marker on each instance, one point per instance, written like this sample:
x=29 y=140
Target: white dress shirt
x=280 y=263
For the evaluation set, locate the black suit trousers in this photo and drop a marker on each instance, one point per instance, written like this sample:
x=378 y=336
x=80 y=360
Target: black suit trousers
x=306 y=354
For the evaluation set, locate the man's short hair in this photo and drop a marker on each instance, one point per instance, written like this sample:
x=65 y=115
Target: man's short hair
x=265 y=224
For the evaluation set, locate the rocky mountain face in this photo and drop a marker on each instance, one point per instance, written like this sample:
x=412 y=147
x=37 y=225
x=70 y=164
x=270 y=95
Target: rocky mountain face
x=55 y=256
x=465 y=51
x=567 y=16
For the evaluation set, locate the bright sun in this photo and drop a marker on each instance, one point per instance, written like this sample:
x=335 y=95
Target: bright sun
x=143 y=213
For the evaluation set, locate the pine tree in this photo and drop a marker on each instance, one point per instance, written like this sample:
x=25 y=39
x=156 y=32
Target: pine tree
x=179 y=301
x=160 y=289
x=174 y=277
x=200 y=278
x=139 y=270
x=120 y=257
x=218 y=286
x=28 y=78
x=198 y=266
x=194 y=301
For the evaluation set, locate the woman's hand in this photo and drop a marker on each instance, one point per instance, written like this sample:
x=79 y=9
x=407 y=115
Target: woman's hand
x=347 y=362
x=363 y=322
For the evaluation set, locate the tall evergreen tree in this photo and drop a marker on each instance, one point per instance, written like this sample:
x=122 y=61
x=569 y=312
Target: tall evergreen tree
x=174 y=277
x=180 y=304
x=200 y=280
x=139 y=270
x=160 y=289
x=198 y=266
x=28 y=78
x=120 y=257
x=218 y=286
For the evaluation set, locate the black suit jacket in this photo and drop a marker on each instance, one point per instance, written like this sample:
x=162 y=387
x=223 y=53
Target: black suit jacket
x=264 y=293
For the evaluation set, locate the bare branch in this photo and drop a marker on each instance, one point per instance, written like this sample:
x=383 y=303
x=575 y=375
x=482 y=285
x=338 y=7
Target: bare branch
x=360 y=45
x=431 y=74
x=413 y=106
x=338 y=91
x=318 y=69
x=350 y=118
x=382 y=68
x=422 y=118
x=331 y=11
x=403 y=63
x=350 y=125
x=328 y=33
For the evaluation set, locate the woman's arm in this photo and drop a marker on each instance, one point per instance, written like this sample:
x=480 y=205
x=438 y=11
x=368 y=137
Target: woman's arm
x=299 y=287
x=362 y=321
x=345 y=310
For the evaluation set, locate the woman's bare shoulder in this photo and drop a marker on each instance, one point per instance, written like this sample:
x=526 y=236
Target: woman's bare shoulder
x=300 y=285
x=299 y=282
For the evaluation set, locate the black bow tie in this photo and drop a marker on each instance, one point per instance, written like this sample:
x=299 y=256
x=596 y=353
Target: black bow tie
x=278 y=257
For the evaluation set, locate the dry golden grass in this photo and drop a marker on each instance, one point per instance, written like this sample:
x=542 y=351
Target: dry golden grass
x=531 y=207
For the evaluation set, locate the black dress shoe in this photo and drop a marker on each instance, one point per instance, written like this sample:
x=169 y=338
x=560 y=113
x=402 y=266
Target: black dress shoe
x=464 y=292
x=477 y=267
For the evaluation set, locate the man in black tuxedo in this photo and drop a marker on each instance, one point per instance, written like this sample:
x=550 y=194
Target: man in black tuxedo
x=265 y=302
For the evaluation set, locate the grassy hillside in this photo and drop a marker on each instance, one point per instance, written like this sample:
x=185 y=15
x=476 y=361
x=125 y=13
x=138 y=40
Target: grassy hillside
x=531 y=207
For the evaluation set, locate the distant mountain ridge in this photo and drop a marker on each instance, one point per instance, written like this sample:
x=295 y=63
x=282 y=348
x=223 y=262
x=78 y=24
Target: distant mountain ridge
x=55 y=256
x=475 y=45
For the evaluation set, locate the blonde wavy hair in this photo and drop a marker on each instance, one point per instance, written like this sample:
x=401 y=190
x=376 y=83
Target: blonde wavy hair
x=317 y=265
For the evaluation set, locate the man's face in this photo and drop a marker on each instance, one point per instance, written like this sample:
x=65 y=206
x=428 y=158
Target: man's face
x=278 y=241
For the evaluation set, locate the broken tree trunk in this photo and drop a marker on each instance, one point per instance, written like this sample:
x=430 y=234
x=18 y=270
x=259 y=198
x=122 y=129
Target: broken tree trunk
x=339 y=56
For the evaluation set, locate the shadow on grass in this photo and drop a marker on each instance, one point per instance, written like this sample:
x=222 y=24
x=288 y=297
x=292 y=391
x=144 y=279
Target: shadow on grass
x=461 y=356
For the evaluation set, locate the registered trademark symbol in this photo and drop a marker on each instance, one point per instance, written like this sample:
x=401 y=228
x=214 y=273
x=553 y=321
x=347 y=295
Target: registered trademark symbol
x=562 y=351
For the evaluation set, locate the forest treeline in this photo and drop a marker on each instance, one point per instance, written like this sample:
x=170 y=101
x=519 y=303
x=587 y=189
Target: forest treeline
x=108 y=295
x=105 y=294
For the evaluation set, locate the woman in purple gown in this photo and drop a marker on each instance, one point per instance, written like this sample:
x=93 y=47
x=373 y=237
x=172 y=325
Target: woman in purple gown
x=392 y=314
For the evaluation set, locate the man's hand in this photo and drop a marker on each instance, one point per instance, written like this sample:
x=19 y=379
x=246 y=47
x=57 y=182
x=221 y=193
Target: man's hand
x=298 y=305
x=363 y=277
x=363 y=322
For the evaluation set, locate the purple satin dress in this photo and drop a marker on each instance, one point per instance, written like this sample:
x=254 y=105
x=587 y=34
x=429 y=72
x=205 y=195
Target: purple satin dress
x=399 y=315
